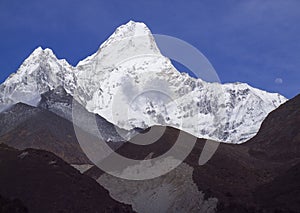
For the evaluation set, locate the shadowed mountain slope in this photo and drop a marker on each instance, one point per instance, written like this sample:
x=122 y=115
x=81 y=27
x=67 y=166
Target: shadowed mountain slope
x=41 y=129
x=258 y=176
x=45 y=183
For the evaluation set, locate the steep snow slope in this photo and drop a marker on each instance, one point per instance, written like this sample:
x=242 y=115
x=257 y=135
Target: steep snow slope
x=132 y=85
x=40 y=72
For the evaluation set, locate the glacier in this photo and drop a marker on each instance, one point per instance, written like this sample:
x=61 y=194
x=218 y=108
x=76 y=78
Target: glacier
x=132 y=85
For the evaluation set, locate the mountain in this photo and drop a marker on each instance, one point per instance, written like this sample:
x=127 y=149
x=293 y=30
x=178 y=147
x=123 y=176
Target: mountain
x=12 y=206
x=61 y=103
x=39 y=73
x=45 y=183
x=24 y=126
x=278 y=138
x=249 y=177
x=282 y=193
x=132 y=85
x=15 y=115
x=128 y=70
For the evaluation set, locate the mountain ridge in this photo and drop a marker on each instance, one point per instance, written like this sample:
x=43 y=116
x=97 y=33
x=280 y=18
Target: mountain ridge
x=128 y=70
x=46 y=183
x=248 y=177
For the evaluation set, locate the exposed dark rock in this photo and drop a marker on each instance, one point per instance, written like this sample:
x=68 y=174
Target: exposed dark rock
x=45 y=183
x=261 y=175
x=41 y=129
x=12 y=206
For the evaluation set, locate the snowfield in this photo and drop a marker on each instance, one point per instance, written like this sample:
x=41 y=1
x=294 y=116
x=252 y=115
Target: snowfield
x=131 y=84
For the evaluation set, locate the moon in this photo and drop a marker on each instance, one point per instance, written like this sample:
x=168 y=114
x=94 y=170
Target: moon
x=278 y=81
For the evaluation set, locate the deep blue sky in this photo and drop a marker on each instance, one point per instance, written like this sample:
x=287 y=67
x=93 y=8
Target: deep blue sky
x=254 y=41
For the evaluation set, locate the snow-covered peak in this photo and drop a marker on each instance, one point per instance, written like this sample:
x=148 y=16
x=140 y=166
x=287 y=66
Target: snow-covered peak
x=132 y=85
x=37 y=51
x=128 y=30
x=40 y=52
x=128 y=40
x=40 y=72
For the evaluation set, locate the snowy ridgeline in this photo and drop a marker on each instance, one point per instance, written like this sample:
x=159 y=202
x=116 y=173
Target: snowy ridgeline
x=131 y=84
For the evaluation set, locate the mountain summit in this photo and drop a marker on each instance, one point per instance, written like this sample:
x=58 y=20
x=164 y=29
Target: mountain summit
x=40 y=72
x=132 y=85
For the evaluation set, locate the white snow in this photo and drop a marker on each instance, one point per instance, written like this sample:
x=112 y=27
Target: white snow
x=129 y=83
x=39 y=73
x=23 y=155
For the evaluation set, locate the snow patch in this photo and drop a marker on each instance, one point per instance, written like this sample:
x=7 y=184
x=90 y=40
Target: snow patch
x=53 y=162
x=82 y=168
x=23 y=155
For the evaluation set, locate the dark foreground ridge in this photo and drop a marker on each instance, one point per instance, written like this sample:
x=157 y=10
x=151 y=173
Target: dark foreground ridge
x=45 y=183
x=261 y=175
x=12 y=206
